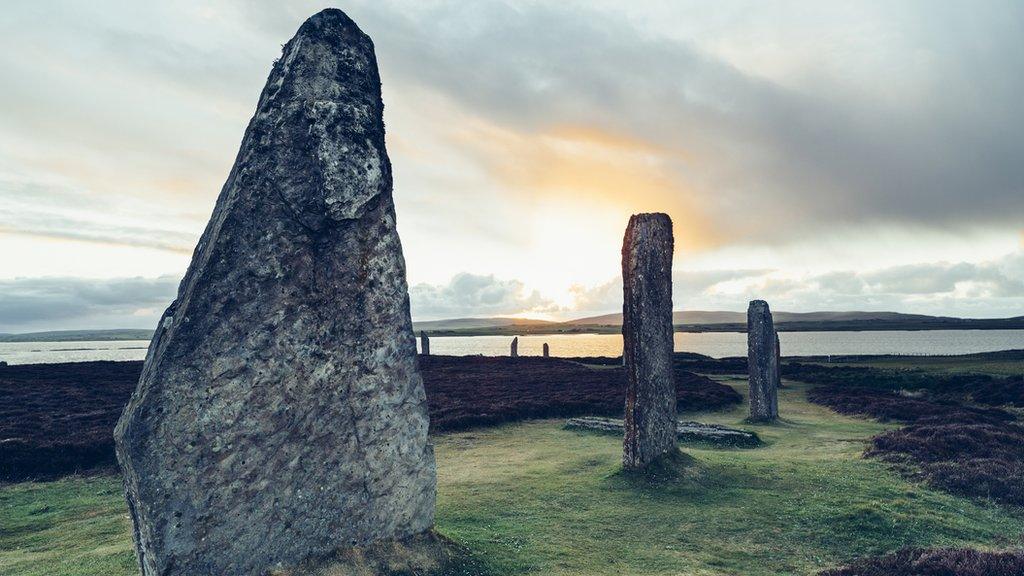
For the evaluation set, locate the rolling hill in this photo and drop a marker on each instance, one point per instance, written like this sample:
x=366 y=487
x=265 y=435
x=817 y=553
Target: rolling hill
x=726 y=317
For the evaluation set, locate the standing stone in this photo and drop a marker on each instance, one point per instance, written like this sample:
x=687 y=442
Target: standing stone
x=280 y=414
x=650 y=422
x=762 y=362
x=515 y=347
x=424 y=343
x=778 y=361
x=546 y=350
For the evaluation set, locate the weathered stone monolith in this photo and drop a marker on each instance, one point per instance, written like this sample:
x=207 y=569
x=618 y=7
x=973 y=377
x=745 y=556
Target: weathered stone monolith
x=514 y=352
x=762 y=363
x=280 y=414
x=650 y=422
x=778 y=361
x=424 y=343
x=546 y=350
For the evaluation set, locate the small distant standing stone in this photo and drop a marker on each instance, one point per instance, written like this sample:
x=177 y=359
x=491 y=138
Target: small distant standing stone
x=424 y=343
x=547 y=350
x=650 y=422
x=515 y=347
x=762 y=362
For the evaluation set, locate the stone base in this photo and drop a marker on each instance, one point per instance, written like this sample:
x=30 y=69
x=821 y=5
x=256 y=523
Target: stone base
x=673 y=468
x=685 y=431
x=426 y=554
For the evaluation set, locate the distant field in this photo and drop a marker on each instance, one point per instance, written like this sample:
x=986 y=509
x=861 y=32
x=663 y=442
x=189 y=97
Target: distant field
x=532 y=498
x=811 y=326
x=1007 y=363
x=59 y=418
x=79 y=335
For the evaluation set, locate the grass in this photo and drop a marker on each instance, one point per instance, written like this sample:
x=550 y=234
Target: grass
x=1004 y=364
x=68 y=527
x=534 y=498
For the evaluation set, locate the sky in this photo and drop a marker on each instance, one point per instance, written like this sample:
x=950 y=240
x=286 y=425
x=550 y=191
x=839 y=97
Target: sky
x=819 y=155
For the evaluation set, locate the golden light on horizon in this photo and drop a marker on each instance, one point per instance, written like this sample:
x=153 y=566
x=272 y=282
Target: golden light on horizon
x=593 y=169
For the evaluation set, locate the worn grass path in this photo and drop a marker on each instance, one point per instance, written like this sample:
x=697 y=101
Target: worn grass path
x=533 y=498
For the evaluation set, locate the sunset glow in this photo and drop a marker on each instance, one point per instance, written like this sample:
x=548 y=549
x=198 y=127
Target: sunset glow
x=517 y=164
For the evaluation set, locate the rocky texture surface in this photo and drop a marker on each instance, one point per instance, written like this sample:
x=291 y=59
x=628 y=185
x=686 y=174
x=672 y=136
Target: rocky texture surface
x=280 y=413
x=685 y=431
x=778 y=361
x=650 y=414
x=762 y=363
x=424 y=343
x=514 y=351
x=546 y=351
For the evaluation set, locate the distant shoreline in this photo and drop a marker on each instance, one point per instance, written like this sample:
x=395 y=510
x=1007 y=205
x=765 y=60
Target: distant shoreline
x=826 y=326
x=568 y=328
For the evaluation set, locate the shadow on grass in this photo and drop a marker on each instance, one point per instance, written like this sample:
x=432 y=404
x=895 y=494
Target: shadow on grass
x=426 y=554
x=675 y=468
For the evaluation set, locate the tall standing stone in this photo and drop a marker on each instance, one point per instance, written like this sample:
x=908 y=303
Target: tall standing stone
x=778 y=361
x=514 y=348
x=762 y=362
x=650 y=422
x=424 y=343
x=281 y=414
x=546 y=350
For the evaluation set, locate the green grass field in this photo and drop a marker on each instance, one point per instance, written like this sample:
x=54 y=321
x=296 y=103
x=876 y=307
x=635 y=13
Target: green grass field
x=531 y=498
x=951 y=365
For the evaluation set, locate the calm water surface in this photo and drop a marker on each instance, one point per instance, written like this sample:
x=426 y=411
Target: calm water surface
x=716 y=344
x=720 y=344
x=50 y=352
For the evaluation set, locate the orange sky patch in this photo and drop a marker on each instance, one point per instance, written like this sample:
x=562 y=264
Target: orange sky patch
x=596 y=167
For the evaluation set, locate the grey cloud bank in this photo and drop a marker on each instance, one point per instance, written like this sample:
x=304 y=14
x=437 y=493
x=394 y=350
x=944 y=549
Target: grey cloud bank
x=472 y=294
x=898 y=114
x=813 y=153
x=937 y=140
x=988 y=289
x=35 y=304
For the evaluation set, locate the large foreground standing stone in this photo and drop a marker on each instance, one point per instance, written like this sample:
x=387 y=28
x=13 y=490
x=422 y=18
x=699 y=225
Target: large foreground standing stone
x=762 y=362
x=650 y=422
x=280 y=414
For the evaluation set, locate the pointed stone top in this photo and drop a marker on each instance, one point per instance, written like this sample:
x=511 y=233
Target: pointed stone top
x=330 y=23
x=321 y=115
x=327 y=17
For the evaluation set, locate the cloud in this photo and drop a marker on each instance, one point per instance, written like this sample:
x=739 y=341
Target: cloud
x=986 y=289
x=687 y=287
x=50 y=208
x=475 y=295
x=750 y=153
x=943 y=278
x=28 y=304
x=508 y=121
